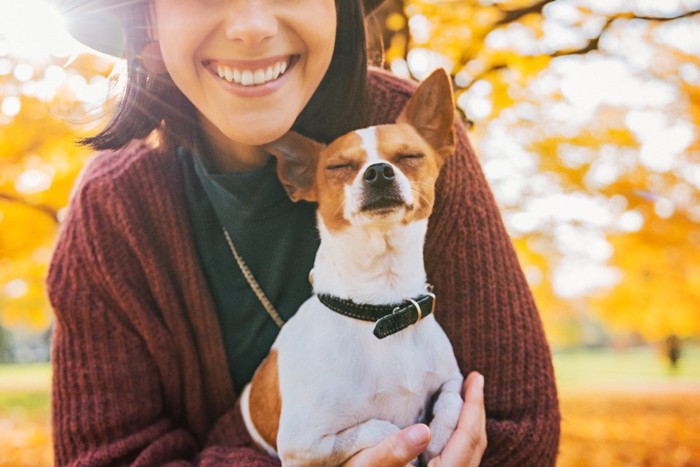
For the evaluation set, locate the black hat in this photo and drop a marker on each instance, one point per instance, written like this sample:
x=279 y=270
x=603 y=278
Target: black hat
x=98 y=25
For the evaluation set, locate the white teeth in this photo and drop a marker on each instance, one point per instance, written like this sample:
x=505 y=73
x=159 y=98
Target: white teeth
x=247 y=78
x=276 y=71
x=252 y=77
x=259 y=76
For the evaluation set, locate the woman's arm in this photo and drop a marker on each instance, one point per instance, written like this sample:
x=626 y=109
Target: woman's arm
x=486 y=307
x=119 y=371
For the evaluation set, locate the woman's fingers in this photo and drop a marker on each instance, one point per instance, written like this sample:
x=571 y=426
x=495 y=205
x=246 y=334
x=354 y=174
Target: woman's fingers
x=396 y=450
x=468 y=443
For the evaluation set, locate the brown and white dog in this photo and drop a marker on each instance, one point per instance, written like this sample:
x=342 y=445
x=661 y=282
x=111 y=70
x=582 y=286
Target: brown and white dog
x=330 y=387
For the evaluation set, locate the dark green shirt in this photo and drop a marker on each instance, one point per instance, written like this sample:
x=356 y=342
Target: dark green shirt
x=276 y=238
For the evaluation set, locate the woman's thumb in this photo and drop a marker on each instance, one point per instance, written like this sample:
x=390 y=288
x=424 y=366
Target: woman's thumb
x=396 y=450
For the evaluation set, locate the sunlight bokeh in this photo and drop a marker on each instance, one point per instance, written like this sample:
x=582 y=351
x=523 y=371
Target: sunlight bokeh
x=34 y=31
x=36 y=51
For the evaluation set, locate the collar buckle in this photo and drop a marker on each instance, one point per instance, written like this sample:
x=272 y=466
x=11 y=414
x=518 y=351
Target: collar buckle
x=418 y=309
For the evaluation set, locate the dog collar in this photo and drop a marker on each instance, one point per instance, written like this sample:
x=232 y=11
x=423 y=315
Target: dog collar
x=390 y=319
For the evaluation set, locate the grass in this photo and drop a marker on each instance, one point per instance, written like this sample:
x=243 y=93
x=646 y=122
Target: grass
x=24 y=391
x=631 y=369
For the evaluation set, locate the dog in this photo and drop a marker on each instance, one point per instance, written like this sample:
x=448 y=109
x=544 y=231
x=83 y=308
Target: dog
x=363 y=357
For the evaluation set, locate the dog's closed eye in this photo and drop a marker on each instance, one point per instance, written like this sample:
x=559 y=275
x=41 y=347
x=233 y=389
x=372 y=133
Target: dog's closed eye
x=410 y=161
x=339 y=166
x=340 y=172
x=410 y=156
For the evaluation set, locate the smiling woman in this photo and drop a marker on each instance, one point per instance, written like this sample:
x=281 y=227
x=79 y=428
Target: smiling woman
x=147 y=289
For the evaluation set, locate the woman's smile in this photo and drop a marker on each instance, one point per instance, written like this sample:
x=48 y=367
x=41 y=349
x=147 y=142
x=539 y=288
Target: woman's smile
x=252 y=78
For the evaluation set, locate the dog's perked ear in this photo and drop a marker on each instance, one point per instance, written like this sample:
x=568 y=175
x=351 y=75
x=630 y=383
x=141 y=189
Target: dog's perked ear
x=431 y=112
x=297 y=157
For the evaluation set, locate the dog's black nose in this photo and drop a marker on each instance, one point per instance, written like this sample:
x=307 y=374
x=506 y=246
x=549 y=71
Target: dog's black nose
x=379 y=174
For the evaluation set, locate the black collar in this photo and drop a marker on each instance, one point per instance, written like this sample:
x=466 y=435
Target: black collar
x=390 y=319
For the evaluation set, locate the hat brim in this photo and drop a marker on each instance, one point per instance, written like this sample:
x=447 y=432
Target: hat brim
x=97 y=25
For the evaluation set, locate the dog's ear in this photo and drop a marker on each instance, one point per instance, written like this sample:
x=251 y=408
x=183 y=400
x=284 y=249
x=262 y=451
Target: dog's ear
x=431 y=112
x=297 y=157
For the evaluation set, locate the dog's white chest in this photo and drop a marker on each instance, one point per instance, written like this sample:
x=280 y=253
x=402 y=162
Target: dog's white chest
x=362 y=376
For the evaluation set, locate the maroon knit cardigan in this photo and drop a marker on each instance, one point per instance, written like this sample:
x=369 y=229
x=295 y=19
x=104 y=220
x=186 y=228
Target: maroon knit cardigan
x=140 y=374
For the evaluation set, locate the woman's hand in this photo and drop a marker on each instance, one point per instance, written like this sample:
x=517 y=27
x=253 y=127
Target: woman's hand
x=465 y=447
x=468 y=442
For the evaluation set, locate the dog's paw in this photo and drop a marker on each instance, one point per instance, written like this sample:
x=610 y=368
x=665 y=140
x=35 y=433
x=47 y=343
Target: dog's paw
x=447 y=411
x=374 y=431
x=438 y=441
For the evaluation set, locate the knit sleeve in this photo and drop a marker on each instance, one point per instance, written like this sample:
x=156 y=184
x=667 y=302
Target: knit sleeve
x=487 y=310
x=113 y=355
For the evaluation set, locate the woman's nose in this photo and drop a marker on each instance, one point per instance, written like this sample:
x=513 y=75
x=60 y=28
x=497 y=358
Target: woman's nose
x=251 y=22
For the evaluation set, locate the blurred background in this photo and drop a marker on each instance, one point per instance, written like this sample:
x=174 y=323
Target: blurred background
x=584 y=114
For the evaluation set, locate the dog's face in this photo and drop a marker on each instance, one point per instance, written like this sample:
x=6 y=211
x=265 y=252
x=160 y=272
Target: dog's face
x=378 y=175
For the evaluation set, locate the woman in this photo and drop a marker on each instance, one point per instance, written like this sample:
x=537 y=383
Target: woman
x=157 y=327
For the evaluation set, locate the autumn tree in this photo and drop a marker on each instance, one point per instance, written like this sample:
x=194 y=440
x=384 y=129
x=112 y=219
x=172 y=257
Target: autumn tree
x=47 y=103
x=585 y=116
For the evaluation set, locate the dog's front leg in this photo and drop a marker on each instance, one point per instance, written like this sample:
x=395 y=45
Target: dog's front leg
x=446 y=411
x=299 y=448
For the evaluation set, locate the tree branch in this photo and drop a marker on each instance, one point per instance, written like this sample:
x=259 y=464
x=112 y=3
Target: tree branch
x=590 y=46
x=687 y=14
x=49 y=211
x=595 y=42
x=482 y=75
x=510 y=16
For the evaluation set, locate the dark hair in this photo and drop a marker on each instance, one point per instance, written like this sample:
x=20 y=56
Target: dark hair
x=151 y=101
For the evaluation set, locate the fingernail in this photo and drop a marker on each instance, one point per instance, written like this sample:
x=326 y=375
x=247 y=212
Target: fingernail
x=480 y=381
x=419 y=435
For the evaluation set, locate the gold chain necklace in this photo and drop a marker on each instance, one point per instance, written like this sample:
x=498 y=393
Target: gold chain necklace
x=253 y=283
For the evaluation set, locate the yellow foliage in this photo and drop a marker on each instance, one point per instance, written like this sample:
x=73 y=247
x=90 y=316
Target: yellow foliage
x=559 y=316
x=660 y=292
x=39 y=165
x=395 y=22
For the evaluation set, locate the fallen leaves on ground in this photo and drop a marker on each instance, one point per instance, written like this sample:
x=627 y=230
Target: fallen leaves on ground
x=604 y=429
x=25 y=442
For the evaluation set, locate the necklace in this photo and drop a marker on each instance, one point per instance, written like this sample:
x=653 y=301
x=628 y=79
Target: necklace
x=269 y=308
